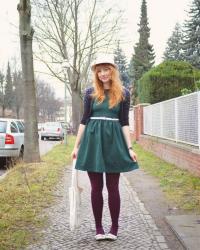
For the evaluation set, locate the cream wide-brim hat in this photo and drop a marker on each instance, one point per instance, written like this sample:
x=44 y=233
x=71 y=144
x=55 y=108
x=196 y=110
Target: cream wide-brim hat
x=103 y=59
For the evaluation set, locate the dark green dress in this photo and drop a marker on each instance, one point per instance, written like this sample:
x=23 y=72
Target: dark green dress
x=103 y=147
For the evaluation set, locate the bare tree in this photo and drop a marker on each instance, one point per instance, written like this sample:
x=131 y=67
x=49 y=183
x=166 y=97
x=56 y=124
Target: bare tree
x=48 y=105
x=73 y=30
x=31 y=149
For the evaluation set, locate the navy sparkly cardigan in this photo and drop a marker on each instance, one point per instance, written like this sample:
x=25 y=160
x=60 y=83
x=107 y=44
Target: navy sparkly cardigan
x=124 y=107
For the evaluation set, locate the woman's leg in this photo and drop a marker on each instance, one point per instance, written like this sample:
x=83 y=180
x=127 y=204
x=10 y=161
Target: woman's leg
x=112 y=183
x=96 y=180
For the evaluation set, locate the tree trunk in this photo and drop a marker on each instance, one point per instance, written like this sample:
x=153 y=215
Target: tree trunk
x=31 y=145
x=77 y=110
x=17 y=112
x=3 y=111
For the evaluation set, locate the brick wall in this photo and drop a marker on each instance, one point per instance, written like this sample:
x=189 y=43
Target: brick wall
x=138 y=120
x=183 y=156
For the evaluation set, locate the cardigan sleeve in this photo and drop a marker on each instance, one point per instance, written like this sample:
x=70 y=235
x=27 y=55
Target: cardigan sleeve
x=86 y=104
x=124 y=121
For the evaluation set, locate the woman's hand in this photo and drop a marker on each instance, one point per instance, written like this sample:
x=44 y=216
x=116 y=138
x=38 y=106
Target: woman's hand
x=78 y=140
x=133 y=155
x=74 y=153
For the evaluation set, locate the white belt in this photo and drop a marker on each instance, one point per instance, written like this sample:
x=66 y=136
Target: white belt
x=103 y=118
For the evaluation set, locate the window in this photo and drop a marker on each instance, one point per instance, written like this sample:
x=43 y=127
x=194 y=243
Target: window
x=3 y=125
x=13 y=128
x=20 y=126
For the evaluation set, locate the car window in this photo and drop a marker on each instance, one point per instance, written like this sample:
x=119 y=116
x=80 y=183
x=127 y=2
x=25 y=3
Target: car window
x=22 y=123
x=52 y=124
x=20 y=126
x=13 y=128
x=3 y=125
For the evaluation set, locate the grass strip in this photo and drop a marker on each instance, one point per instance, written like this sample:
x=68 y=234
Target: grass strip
x=179 y=185
x=25 y=191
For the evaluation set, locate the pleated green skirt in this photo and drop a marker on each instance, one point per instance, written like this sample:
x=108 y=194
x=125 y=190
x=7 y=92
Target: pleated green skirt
x=103 y=147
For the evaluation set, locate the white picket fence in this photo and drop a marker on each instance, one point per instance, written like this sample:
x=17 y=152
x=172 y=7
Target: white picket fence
x=177 y=119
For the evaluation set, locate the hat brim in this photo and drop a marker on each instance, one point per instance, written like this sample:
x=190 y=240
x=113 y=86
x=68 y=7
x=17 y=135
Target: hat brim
x=96 y=64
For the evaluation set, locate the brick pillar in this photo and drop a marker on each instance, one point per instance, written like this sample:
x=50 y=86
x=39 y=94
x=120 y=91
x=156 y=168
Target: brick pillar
x=138 y=120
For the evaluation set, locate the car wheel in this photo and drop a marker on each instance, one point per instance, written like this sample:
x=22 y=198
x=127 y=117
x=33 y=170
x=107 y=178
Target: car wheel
x=42 y=138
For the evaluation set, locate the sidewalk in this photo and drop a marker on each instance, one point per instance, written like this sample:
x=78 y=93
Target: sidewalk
x=137 y=228
x=187 y=229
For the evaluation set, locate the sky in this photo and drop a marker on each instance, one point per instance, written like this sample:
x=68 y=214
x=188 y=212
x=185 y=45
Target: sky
x=162 y=15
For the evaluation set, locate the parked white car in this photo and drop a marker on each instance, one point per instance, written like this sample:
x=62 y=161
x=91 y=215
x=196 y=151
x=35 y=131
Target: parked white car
x=39 y=126
x=52 y=130
x=11 y=137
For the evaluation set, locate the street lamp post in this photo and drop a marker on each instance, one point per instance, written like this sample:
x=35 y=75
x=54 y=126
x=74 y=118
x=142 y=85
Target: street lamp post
x=65 y=65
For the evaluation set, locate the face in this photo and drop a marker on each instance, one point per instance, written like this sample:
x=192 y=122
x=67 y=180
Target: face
x=104 y=73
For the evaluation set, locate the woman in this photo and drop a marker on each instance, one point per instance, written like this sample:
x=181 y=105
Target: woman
x=103 y=142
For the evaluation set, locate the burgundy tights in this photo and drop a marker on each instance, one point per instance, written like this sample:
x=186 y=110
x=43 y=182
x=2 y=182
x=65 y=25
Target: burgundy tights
x=112 y=184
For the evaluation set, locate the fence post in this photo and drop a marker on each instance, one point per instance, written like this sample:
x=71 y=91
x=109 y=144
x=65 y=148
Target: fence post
x=176 y=119
x=161 y=119
x=198 y=106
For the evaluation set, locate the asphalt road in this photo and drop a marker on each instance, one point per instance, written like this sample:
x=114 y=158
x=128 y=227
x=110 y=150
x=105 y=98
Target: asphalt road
x=44 y=146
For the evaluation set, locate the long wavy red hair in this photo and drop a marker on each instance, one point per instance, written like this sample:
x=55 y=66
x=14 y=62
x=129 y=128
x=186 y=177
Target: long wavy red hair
x=116 y=87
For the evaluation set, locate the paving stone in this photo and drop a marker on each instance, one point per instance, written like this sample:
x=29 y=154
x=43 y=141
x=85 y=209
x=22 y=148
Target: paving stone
x=160 y=239
x=137 y=228
x=163 y=246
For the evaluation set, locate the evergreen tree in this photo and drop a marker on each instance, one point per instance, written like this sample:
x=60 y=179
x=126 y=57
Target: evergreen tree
x=191 y=40
x=143 y=57
x=168 y=80
x=17 y=92
x=8 y=89
x=120 y=60
x=2 y=96
x=173 y=51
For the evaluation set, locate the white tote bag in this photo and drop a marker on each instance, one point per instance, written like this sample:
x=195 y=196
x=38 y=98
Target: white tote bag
x=74 y=200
